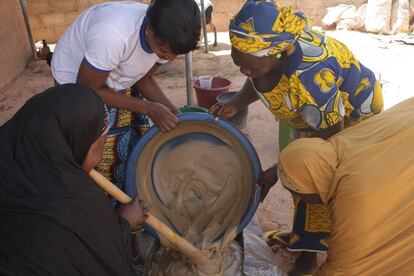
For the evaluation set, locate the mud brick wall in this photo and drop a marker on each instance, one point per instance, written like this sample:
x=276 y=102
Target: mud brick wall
x=224 y=10
x=15 y=49
x=50 y=18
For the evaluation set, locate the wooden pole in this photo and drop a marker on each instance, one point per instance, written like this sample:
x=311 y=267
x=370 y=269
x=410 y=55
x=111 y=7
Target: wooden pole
x=28 y=28
x=182 y=245
x=189 y=77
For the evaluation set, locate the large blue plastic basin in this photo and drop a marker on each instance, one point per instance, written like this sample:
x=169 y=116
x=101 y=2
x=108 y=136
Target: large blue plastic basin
x=227 y=128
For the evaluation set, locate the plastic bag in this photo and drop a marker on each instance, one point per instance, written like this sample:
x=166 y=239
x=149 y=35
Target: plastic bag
x=258 y=260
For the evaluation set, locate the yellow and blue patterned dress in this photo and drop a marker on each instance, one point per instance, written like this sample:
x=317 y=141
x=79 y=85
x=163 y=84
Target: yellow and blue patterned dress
x=322 y=84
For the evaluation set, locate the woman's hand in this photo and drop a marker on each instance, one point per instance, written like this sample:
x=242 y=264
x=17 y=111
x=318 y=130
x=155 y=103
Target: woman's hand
x=135 y=212
x=267 y=180
x=161 y=116
x=225 y=111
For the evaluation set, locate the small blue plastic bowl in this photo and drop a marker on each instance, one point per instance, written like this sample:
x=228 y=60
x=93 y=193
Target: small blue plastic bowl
x=255 y=166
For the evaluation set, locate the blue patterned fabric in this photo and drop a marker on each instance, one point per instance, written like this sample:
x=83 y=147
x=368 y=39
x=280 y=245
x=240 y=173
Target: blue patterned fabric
x=126 y=129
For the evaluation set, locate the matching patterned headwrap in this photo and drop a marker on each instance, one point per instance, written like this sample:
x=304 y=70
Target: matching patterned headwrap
x=262 y=28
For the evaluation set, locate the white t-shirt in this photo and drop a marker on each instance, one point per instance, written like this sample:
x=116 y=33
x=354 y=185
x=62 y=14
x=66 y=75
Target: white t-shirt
x=110 y=36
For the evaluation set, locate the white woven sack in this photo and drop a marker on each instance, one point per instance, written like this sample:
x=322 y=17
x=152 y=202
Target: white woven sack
x=400 y=16
x=378 y=17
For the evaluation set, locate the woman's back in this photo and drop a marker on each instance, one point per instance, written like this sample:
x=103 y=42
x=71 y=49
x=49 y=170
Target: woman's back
x=372 y=204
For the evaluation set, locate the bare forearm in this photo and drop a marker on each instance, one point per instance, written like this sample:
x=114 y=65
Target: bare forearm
x=331 y=131
x=114 y=99
x=245 y=96
x=267 y=180
x=149 y=88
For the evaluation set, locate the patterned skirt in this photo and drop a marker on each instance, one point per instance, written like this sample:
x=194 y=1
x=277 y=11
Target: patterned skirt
x=126 y=129
x=311 y=227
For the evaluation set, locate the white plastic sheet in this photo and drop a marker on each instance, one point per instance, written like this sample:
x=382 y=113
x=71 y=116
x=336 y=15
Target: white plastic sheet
x=258 y=259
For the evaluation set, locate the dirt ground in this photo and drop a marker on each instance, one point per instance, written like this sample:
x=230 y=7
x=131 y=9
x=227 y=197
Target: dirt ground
x=391 y=59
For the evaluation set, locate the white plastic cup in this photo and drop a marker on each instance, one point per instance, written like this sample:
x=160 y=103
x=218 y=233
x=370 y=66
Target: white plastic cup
x=378 y=76
x=205 y=82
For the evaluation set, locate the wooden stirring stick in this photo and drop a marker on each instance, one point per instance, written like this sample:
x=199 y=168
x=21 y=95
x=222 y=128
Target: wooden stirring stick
x=182 y=245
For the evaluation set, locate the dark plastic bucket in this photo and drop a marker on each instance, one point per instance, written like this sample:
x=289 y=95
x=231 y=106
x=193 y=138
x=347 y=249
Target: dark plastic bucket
x=240 y=119
x=207 y=97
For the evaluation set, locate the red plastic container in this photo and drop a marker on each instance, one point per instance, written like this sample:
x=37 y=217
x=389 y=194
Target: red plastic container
x=207 y=97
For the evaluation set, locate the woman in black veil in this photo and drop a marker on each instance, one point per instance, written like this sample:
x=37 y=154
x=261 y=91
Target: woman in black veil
x=54 y=219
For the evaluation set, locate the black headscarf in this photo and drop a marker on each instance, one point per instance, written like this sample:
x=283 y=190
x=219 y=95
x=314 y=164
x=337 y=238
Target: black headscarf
x=54 y=219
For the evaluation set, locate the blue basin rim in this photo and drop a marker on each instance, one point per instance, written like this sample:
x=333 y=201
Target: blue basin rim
x=130 y=179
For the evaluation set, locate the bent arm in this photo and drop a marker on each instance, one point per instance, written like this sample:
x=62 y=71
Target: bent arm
x=245 y=96
x=96 y=80
x=149 y=88
x=328 y=132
